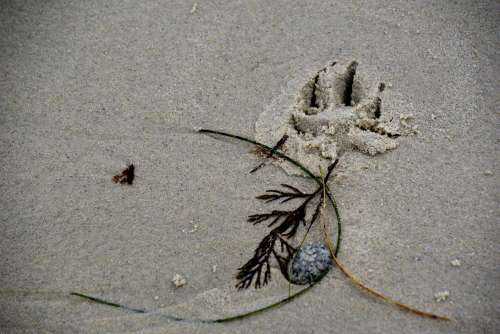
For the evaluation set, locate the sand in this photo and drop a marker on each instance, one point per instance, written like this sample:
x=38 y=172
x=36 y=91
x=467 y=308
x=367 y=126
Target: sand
x=88 y=87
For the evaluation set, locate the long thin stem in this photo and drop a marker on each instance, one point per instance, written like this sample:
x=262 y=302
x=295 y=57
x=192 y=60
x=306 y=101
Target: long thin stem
x=268 y=307
x=219 y=320
x=363 y=287
x=355 y=281
x=105 y=302
x=300 y=246
x=333 y=251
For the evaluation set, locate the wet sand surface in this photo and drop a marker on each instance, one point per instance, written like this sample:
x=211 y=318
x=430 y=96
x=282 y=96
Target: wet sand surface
x=89 y=87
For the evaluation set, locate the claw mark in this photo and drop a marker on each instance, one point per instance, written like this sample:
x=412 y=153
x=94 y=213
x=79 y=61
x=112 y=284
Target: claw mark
x=349 y=81
x=314 y=103
x=378 y=103
x=381 y=87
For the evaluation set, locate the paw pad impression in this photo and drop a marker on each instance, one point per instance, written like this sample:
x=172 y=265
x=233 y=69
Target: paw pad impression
x=339 y=109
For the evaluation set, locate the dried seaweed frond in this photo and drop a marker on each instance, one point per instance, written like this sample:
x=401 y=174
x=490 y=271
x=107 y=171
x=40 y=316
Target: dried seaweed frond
x=274 y=195
x=258 y=263
x=286 y=224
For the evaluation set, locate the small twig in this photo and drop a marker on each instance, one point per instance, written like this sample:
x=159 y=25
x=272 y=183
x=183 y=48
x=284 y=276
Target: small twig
x=270 y=154
x=205 y=321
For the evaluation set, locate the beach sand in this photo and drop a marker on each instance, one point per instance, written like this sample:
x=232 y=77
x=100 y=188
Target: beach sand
x=89 y=87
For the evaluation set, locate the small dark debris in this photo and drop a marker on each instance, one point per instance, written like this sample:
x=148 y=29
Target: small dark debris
x=279 y=145
x=127 y=176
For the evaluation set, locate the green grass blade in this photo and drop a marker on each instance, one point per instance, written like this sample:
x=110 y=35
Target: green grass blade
x=105 y=302
x=265 y=308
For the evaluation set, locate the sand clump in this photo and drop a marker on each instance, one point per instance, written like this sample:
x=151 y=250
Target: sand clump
x=442 y=296
x=339 y=109
x=179 y=280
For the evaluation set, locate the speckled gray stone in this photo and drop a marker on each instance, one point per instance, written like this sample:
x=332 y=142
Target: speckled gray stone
x=309 y=264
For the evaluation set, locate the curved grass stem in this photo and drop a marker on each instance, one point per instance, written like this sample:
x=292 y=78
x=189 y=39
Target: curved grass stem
x=356 y=282
x=333 y=250
x=377 y=294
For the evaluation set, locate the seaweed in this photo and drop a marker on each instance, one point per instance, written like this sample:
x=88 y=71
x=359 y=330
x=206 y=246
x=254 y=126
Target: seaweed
x=287 y=224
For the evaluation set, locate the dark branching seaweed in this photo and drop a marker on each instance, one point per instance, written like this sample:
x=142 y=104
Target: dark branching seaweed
x=285 y=226
x=259 y=265
x=274 y=195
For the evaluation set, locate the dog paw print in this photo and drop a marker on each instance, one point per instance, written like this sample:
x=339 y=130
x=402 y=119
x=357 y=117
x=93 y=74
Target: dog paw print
x=335 y=111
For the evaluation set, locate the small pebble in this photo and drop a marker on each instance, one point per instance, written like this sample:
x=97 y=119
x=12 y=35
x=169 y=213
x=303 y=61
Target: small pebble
x=488 y=173
x=179 y=281
x=406 y=117
x=157 y=297
x=214 y=268
x=441 y=296
x=193 y=9
x=309 y=264
x=456 y=263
